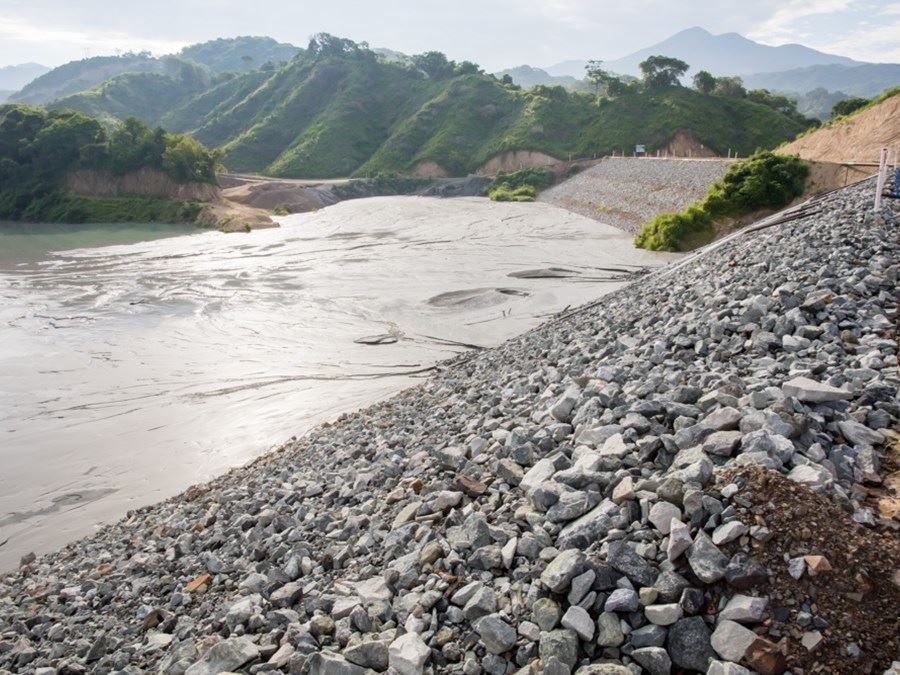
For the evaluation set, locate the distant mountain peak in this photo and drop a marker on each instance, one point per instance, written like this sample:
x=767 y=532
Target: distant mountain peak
x=727 y=54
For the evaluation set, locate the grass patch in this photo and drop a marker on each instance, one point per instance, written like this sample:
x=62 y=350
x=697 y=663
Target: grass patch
x=765 y=180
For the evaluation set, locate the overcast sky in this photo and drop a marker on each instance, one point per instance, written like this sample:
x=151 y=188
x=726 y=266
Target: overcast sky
x=495 y=33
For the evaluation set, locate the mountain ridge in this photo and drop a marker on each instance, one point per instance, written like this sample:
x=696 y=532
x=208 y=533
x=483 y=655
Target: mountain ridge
x=723 y=55
x=342 y=110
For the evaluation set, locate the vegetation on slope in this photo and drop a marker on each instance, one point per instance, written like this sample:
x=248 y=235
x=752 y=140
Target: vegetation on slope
x=339 y=109
x=39 y=148
x=153 y=94
x=764 y=181
x=520 y=186
x=240 y=54
x=79 y=76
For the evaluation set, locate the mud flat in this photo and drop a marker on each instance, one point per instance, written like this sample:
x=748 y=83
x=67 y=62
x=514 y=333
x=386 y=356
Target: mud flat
x=130 y=372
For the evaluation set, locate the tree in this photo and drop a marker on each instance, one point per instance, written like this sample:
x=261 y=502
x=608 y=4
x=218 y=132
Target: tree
x=596 y=75
x=325 y=44
x=247 y=59
x=662 y=71
x=433 y=64
x=730 y=87
x=467 y=68
x=848 y=106
x=616 y=86
x=704 y=82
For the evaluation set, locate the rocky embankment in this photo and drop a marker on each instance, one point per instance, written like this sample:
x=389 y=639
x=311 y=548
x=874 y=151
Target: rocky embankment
x=627 y=192
x=681 y=477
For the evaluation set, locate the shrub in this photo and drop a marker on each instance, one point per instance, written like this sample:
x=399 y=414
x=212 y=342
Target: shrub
x=667 y=231
x=763 y=181
x=523 y=193
x=520 y=186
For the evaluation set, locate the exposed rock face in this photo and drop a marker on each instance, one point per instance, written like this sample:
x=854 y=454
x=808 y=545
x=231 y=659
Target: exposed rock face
x=141 y=182
x=548 y=506
x=513 y=160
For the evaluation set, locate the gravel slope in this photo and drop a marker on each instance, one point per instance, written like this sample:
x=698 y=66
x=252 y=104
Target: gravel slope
x=576 y=500
x=627 y=192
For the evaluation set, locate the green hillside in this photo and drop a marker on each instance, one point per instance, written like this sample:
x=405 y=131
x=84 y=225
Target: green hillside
x=152 y=95
x=79 y=76
x=338 y=109
x=39 y=149
x=240 y=54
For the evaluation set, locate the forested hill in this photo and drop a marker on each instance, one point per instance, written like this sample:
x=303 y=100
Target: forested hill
x=39 y=150
x=338 y=109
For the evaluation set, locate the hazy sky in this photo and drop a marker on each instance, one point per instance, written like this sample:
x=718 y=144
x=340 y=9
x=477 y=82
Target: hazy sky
x=495 y=33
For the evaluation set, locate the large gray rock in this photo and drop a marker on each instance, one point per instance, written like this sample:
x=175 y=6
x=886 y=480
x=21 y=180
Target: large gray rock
x=655 y=660
x=560 y=644
x=497 y=635
x=808 y=390
x=609 y=631
x=325 y=663
x=688 y=644
x=623 y=558
x=744 y=609
x=367 y=653
x=407 y=654
x=860 y=434
x=731 y=640
x=224 y=656
x=562 y=569
x=706 y=560
x=580 y=621
x=589 y=528
x=661 y=514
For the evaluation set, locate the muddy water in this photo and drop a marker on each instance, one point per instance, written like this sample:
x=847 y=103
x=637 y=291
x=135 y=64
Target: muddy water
x=129 y=372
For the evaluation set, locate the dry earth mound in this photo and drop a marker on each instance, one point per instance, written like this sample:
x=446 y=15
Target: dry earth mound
x=858 y=138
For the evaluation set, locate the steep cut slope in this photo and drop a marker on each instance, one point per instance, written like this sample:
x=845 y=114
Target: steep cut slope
x=858 y=138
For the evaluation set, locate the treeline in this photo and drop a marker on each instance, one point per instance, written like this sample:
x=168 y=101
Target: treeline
x=661 y=72
x=38 y=148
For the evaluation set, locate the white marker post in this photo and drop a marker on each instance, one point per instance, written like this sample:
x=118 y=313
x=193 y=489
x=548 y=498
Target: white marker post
x=882 y=174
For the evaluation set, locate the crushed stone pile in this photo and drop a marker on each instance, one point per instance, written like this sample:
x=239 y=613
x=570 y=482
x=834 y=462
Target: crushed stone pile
x=627 y=192
x=677 y=478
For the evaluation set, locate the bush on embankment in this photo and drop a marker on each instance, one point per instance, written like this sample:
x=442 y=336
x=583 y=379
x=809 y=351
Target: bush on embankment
x=520 y=186
x=763 y=181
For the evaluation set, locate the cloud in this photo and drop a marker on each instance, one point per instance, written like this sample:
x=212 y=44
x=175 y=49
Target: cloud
x=783 y=23
x=874 y=42
x=100 y=42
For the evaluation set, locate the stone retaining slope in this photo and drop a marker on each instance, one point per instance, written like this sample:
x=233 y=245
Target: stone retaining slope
x=627 y=192
x=594 y=496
